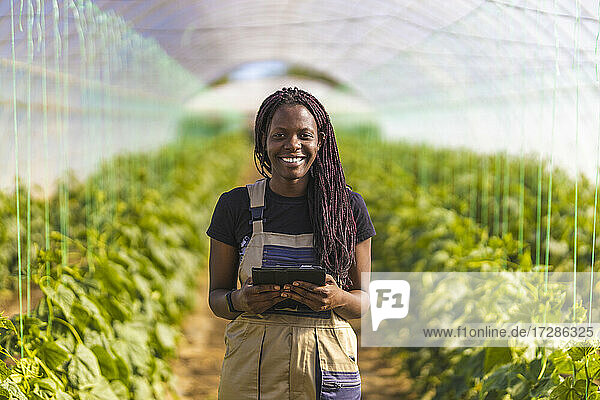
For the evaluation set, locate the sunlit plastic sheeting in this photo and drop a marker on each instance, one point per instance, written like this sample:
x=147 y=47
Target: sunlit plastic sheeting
x=484 y=74
x=506 y=76
x=462 y=73
x=210 y=37
x=85 y=86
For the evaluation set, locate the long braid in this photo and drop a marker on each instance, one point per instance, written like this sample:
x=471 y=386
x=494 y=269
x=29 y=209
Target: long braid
x=334 y=236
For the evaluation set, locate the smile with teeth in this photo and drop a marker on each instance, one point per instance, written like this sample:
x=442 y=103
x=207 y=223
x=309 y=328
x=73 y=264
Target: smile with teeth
x=292 y=160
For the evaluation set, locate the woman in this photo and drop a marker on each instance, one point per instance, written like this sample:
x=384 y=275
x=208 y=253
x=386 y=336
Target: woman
x=304 y=214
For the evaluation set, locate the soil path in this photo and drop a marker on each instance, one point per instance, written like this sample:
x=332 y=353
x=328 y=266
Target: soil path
x=9 y=303
x=201 y=350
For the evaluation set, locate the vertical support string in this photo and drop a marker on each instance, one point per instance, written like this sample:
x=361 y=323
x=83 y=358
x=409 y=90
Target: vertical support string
x=553 y=131
x=29 y=133
x=597 y=168
x=576 y=66
x=65 y=136
x=594 y=223
x=497 y=187
x=473 y=188
x=521 y=200
x=17 y=194
x=58 y=115
x=79 y=14
x=538 y=221
x=41 y=5
x=521 y=218
x=506 y=194
x=484 y=192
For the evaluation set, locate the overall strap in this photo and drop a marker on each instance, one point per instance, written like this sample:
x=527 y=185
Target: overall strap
x=256 y=192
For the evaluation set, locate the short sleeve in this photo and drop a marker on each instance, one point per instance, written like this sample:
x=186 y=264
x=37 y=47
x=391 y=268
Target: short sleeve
x=364 y=225
x=222 y=224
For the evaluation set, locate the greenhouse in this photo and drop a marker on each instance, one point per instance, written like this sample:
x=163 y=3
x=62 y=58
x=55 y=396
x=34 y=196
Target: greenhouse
x=470 y=128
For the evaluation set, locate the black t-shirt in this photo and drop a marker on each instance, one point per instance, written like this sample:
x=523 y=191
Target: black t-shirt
x=230 y=222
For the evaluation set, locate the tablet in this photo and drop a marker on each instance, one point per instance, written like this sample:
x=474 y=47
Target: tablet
x=286 y=275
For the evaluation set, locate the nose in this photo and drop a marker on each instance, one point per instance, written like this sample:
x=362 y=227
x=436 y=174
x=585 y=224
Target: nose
x=293 y=143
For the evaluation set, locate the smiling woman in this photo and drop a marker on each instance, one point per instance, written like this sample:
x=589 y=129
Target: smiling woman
x=302 y=213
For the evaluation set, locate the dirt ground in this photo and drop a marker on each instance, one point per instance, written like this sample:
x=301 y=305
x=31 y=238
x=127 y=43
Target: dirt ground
x=9 y=302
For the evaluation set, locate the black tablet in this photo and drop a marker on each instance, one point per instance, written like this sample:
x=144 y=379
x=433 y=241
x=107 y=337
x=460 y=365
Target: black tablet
x=287 y=275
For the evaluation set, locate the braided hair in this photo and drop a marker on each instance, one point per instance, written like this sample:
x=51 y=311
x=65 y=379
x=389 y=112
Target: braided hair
x=328 y=195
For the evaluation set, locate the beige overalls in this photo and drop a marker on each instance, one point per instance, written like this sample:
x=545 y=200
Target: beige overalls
x=286 y=354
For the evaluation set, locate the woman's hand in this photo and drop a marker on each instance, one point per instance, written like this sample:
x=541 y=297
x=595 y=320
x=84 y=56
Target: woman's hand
x=256 y=299
x=318 y=298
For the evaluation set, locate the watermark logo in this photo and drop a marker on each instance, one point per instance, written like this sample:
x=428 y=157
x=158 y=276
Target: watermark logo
x=389 y=300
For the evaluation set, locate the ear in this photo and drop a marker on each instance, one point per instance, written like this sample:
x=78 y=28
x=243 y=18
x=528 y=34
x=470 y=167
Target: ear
x=321 y=140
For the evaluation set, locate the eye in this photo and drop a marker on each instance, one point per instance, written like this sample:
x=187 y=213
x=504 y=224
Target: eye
x=306 y=135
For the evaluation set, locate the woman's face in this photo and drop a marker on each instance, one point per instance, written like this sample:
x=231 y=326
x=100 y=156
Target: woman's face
x=292 y=142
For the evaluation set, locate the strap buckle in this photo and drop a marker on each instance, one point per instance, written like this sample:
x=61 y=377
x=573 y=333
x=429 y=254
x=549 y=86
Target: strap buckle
x=256 y=214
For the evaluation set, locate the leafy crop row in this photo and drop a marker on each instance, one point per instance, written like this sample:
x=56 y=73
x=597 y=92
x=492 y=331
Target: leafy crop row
x=135 y=246
x=453 y=210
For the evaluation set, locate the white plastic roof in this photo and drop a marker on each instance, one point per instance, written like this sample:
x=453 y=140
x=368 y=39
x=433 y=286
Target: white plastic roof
x=397 y=51
x=514 y=75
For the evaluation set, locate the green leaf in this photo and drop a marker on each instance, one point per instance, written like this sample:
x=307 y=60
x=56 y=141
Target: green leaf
x=562 y=363
x=561 y=391
x=53 y=354
x=83 y=369
x=520 y=391
x=116 y=309
x=123 y=369
x=101 y=390
x=107 y=363
x=566 y=390
x=13 y=390
x=62 y=296
x=580 y=386
x=43 y=386
x=498 y=380
x=534 y=369
x=7 y=324
x=133 y=344
x=60 y=395
x=166 y=336
x=543 y=388
x=119 y=389
x=577 y=353
x=67 y=342
x=496 y=356
x=141 y=389
x=4 y=371
x=72 y=284
x=143 y=286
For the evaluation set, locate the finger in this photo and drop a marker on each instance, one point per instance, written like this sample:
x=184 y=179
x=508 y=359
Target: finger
x=265 y=305
x=304 y=285
x=315 y=294
x=314 y=305
x=265 y=296
x=329 y=280
x=295 y=296
x=266 y=288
